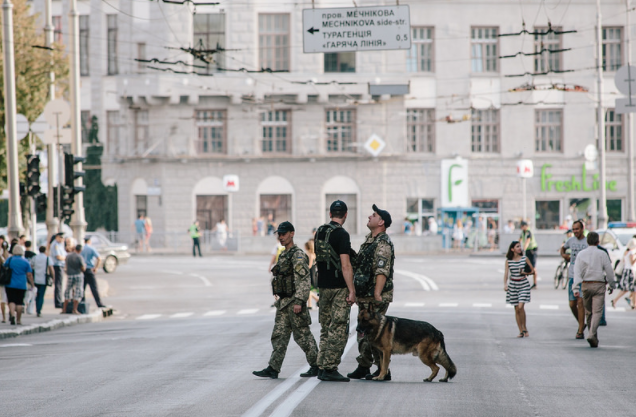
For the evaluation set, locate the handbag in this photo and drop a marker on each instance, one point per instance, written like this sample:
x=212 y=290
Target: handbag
x=5 y=274
x=618 y=270
x=49 y=277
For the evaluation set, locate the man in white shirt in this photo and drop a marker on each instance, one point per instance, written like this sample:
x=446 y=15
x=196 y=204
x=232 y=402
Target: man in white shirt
x=591 y=264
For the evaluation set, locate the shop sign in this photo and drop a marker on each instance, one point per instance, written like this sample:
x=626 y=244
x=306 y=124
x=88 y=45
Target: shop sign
x=455 y=183
x=582 y=183
x=231 y=183
x=525 y=169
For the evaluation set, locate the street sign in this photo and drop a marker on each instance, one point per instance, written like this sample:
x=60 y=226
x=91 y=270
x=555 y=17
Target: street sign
x=351 y=29
x=231 y=183
x=590 y=153
x=625 y=80
x=57 y=113
x=51 y=137
x=525 y=168
x=374 y=145
x=22 y=125
x=625 y=105
x=39 y=126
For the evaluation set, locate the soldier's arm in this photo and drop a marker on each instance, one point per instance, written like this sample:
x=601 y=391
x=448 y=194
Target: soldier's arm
x=347 y=273
x=381 y=268
x=301 y=278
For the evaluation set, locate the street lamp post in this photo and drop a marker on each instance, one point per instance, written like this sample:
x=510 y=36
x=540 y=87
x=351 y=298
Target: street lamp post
x=52 y=222
x=602 y=215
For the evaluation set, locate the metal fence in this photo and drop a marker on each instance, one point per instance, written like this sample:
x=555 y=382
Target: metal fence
x=177 y=242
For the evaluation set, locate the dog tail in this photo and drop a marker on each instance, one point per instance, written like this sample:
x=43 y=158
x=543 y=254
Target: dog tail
x=444 y=359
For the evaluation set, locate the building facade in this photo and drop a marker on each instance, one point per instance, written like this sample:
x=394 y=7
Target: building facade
x=207 y=106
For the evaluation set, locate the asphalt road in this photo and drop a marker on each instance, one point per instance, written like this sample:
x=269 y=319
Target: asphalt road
x=188 y=333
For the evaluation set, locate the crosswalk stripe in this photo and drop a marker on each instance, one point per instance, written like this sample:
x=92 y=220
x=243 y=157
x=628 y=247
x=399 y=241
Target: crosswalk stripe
x=414 y=304
x=149 y=316
x=180 y=315
x=248 y=311
x=482 y=305
x=509 y=306
x=448 y=304
x=617 y=309
x=215 y=313
x=548 y=307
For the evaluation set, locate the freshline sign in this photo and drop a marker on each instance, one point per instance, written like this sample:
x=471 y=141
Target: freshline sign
x=455 y=183
x=573 y=184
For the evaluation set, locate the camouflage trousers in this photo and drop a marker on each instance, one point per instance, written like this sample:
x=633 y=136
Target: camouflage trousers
x=334 y=326
x=286 y=323
x=368 y=354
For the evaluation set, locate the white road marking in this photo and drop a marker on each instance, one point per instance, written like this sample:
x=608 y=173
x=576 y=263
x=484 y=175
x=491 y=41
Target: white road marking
x=248 y=311
x=172 y=272
x=15 y=345
x=448 y=304
x=509 y=306
x=425 y=281
x=215 y=313
x=414 y=304
x=180 y=315
x=482 y=305
x=501 y=271
x=148 y=316
x=617 y=309
x=206 y=282
x=548 y=307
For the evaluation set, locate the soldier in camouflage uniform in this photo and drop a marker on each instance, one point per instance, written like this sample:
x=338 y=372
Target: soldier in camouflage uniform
x=374 y=261
x=291 y=285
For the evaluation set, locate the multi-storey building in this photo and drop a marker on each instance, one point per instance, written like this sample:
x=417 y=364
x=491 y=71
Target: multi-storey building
x=295 y=139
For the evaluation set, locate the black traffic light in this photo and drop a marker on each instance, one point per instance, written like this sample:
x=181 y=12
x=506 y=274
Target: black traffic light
x=33 y=175
x=70 y=174
x=22 y=189
x=67 y=198
x=41 y=203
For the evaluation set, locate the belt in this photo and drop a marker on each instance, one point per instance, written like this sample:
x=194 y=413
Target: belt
x=594 y=282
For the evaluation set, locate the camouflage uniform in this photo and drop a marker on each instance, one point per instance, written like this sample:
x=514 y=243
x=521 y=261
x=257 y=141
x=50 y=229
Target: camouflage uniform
x=287 y=322
x=382 y=264
x=334 y=331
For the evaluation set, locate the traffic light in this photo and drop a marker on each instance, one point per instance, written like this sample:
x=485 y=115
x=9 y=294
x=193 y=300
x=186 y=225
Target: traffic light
x=41 y=203
x=70 y=174
x=67 y=198
x=33 y=175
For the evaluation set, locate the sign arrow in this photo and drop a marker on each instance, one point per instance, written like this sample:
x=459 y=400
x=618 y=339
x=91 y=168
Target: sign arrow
x=312 y=30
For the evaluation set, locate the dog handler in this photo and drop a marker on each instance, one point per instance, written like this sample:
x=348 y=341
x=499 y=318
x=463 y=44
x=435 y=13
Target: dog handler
x=291 y=286
x=374 y=263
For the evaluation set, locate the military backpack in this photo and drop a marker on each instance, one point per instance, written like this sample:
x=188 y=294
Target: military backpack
x=363 y=276
x=323 y=249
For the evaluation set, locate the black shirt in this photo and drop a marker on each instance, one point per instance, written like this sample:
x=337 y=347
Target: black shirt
x=29 y=254
x=341 y=243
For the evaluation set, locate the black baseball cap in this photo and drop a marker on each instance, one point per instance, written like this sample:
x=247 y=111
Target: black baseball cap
x=338 y=206
x=384 y=214
x=285 y=227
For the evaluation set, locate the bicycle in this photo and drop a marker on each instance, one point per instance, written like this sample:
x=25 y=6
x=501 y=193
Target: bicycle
x=561 y=275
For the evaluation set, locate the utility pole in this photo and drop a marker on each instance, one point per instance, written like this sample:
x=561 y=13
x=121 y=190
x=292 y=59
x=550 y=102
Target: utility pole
x=52 y=222
x=78 y=222
x=602 y=215
x=13 y=181
x=631 y=210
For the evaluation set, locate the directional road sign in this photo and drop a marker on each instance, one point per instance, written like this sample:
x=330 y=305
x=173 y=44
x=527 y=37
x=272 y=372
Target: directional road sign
x=625 y=105
x=39 y=126
x=356 y=29
x=22 y=125
x=625 y=80
x=52 y=137
x=57 y=113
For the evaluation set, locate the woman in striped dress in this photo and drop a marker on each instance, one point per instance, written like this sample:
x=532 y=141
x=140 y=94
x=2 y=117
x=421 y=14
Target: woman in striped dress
x=516 y=284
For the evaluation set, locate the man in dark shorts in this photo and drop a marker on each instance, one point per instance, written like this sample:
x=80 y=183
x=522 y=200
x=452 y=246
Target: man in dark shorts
x=332 y=245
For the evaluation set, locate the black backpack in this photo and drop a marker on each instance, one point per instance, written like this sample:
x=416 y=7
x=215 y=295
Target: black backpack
x=5 y=274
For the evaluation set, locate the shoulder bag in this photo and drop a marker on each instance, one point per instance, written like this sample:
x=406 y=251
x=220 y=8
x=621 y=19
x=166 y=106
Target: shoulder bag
x=49 y=277
x=5 y=274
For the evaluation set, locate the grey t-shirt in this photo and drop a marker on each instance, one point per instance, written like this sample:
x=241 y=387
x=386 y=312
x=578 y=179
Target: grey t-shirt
x=74 y=263
x=575 y=245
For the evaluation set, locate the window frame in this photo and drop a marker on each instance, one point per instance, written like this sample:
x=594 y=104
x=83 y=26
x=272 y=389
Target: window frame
x=144 y=126
x=273 y=139
x=414 y=55
x=484 y=59
x=84 y=44
x=539 y=221
x=57 y=29
x=337 y=127
x=608 y=42
x=544 y=62
x=339 y=59
x=611 y=127
x=282 y=63
x=421 y=140
x=202 y=124
x=210 y=33
x=111 y=41
x=485 y=134
x=538 y=124
x=113 y=132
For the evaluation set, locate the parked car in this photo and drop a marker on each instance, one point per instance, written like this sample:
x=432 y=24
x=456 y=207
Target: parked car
x=112 y=254
x=615 y=239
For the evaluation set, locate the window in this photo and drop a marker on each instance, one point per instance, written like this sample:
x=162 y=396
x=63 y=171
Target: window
x=141 y=131
x=485 y=130
x=613 y=131
x=420 y=130
x=548 y=130
x=420 y=57
x=113 y=132
x=85 y=116
x=211 y=209
x=422 y=211
x=83 y=45
x=141 y=205
x=211 y=127
x=547 y=214
x=273 y=41
x=351 y=200
x=484 y=49
x=547 y=61
x=614 y=210
x=340 y=62
x=209 y=33
x=612 y=48
x=141 y=55
x=276 y=134
x=57 y=29
x=340 y=130
x=112 y=44
x=276 y=208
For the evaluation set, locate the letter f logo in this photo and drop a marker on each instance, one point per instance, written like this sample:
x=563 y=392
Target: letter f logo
x=451 y=184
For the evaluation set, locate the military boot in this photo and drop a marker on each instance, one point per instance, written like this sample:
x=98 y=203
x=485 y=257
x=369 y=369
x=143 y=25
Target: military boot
x=313 y=371
x=320 y=372
x=387 y=377
x=359 y=373
x=333 y=376
x=268 y=372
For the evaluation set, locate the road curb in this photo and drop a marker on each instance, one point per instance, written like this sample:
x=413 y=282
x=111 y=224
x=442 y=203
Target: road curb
x=52 y=325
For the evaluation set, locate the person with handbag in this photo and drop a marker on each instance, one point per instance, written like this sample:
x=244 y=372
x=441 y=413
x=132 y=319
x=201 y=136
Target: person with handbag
x=43 y=273
x=626 y=282
x=21 y=272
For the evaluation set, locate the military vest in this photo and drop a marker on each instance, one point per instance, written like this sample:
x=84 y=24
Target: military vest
x=323 y=249
x=283 y=282
x=363 y=276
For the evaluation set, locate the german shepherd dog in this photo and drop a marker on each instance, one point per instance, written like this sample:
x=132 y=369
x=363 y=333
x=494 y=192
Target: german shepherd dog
x=401 y=336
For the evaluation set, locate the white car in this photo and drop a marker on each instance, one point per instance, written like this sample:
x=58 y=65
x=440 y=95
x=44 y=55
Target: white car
x=615 y=239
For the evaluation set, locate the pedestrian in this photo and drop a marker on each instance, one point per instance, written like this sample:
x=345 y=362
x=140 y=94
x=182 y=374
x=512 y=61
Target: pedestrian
x=432 y=225
x=140 y=230
x=42 y=269
x=374 y=262
x=510 y=227
x=195 y=234
x=92 y=259
x=271 y=226
x=14 y=243
x=337 y=293
x=575 y=244
x=21 y=274
x=626 y=283
x=458 y=235
x=28 y=253
x=22 y=240
x=313 y=273
x=75 y=266
x=149 y=230
x=516 y=284
x=221 y=233
x=530 y=248
x=407 y=226
x=291 y=286
x=260 y=226
x=58 y=255
x=588 y=273
x=4 y=255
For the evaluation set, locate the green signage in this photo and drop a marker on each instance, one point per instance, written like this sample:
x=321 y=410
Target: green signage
x=573 y=184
